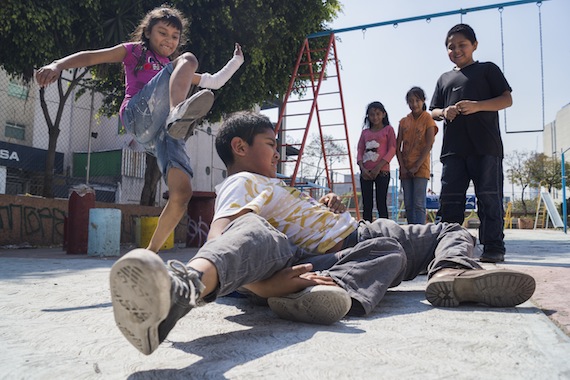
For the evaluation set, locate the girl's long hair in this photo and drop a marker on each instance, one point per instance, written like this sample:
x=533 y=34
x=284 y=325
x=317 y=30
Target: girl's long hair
x=172 y=17
x=418 y=93
x=379 y=106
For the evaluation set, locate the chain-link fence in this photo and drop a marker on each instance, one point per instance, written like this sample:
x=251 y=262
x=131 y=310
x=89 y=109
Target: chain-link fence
x=89 y=149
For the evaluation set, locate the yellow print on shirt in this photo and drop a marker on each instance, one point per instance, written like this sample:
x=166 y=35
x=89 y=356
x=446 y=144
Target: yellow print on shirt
x=307 y=222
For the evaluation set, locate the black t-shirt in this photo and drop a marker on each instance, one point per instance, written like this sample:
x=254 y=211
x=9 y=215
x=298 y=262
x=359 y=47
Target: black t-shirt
x=478 y=133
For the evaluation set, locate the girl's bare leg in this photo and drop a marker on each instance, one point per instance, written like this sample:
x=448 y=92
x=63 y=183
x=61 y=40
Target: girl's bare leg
x=181 y=78
x=180 y=192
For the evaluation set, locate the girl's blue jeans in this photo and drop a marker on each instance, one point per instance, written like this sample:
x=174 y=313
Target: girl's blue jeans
x=415 y=199
x=145 y=117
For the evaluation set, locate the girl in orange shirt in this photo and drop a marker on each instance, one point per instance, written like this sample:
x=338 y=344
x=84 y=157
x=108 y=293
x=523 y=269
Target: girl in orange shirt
x=416 y=134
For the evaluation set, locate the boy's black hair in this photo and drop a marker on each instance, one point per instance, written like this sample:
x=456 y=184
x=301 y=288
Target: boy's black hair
x=245 y=125
x=464 y=29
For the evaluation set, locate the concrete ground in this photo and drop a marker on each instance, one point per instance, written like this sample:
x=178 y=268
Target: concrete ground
x=56 y=322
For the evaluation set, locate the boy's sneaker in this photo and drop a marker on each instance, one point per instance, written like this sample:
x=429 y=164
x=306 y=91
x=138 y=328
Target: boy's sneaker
x=148 y=299
x=320 y=304
x=182 y=119
x=498 y=288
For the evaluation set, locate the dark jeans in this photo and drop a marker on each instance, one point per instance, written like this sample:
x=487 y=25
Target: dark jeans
x=367 y=188
x=486 y=172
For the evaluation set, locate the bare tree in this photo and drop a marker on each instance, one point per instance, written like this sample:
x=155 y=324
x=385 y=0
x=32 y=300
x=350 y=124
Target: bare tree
x=313 y=165
x=519 y=172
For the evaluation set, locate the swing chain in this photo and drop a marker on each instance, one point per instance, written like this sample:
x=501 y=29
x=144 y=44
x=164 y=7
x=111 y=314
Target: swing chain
x=539 y=4
x=503 y=61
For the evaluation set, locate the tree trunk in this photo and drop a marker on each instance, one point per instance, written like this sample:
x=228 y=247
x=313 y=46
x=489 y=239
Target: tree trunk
x=53 y=126
x=50 y=163
x=151 y=177
x=525 y=212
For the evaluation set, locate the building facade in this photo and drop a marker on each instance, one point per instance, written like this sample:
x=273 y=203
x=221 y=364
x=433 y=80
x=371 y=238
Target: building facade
x=90 y=149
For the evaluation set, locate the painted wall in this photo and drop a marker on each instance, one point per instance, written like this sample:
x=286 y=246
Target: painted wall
x=37 y=221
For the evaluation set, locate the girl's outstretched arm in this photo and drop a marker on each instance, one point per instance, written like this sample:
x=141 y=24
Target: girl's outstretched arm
x=217 y=80
x=49 y=73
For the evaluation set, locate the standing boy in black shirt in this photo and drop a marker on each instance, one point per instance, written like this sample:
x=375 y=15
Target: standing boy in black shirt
x=468 y=99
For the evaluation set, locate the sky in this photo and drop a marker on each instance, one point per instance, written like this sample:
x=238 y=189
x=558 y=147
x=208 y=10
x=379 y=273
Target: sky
x=383 y=63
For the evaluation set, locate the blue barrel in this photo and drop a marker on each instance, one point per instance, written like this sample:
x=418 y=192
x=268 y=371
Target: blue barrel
x=104 y=232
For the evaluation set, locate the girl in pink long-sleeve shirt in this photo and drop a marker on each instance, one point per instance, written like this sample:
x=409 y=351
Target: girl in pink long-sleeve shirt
x=376 y=148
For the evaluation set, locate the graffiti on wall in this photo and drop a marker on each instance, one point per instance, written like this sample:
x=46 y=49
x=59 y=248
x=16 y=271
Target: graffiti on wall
x=197 y=232
x=31 y=224
x=29 y=221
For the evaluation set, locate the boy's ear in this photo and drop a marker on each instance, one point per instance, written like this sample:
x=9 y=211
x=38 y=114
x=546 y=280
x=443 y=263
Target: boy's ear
x=475 y=45
x=239 y=146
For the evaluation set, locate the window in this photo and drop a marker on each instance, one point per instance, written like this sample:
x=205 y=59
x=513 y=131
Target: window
x=18 y=91
x=15 y=131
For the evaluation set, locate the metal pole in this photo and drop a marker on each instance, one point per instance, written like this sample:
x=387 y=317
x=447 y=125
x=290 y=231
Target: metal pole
x=564 y=206
x=89 y=137
x=424 y=17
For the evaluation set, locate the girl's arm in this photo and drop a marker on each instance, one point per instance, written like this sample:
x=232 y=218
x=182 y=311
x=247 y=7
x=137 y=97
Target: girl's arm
x=50 y=73
x=429 y=139
x=390 y=153
x=359 y=156
x=391 y=145
x=217 y=80
x=399 y=156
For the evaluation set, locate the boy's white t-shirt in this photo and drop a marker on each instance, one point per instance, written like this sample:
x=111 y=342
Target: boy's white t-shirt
x=307 y=223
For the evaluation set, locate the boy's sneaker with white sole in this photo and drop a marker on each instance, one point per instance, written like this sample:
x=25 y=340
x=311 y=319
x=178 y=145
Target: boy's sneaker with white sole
x=319 y=304
x=148 y=299
x=182 y=119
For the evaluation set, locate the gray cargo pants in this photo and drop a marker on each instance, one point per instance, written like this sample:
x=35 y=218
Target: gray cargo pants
x=378 y=256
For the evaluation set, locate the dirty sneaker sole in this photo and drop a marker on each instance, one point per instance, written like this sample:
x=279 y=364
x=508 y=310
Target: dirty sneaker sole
x=140 y=293
x=190 y=110
x=318 y=304
x=497 y=288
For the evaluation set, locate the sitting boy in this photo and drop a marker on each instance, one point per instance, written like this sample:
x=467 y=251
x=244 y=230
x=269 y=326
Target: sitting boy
x=262 y=228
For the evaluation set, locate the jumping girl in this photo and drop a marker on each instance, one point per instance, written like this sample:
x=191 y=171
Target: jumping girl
x=155 y=108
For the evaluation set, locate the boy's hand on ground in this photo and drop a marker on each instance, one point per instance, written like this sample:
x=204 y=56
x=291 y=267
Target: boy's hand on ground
x=287 y=281
x=319 y=279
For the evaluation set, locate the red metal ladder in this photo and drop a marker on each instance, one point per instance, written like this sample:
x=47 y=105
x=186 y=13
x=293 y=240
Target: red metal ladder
x=314 y=96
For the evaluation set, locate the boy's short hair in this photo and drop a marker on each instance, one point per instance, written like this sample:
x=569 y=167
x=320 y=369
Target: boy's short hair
x=245 y=125
x=463 y=29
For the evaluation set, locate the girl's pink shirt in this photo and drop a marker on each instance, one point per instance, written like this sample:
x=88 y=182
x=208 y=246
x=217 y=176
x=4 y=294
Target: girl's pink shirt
x=135 y=81
x=385 y=139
